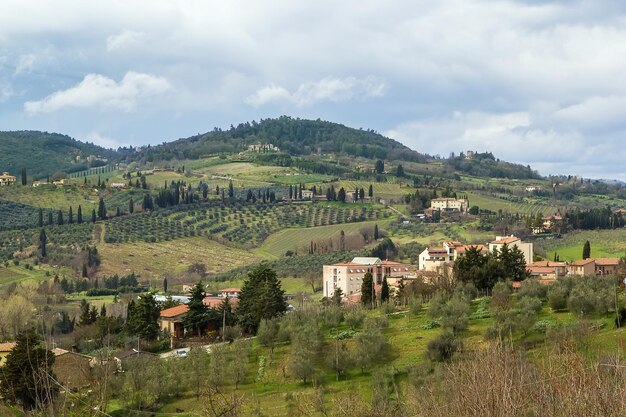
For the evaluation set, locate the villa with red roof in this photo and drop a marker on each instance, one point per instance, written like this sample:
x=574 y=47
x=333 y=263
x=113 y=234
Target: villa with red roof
x=513 y=241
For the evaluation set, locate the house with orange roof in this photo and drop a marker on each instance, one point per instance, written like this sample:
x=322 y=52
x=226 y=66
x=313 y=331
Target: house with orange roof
x=547 y=270
x=434 y=259
x=607 y=266
x=583 y=267
x=171 y=319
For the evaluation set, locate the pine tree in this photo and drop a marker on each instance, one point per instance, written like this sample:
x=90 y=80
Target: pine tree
x=368 y=296
x=43 y=239
x=142 y=318
x=27 y=378
x=197 y=318
x=587 y=250
x=261 y=298
x=384 y=291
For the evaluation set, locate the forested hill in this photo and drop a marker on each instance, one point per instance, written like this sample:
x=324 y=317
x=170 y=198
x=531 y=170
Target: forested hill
x=43 y=154
x=293 y=136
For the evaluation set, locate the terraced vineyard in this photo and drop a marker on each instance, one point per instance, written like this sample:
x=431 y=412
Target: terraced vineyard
x=240 y=223
x=523 y=206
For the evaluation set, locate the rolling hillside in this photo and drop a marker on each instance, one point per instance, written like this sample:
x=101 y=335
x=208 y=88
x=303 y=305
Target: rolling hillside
x=43 y=154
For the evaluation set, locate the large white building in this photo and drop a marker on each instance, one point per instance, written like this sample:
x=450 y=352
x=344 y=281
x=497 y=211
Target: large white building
x=449 y=204
x=513 y=241
x=349 y=275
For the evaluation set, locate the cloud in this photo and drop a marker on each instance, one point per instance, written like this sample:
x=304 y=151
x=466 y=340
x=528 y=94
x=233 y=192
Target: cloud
x=125 y=39
x=330 y=89
x=103 y=141
x=98 y=91
x=25 y=63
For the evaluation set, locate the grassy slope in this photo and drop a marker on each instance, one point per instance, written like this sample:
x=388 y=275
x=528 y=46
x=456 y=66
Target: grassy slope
x=278 y=243
x=408 y=341
x=604 y=243
x=154 y=260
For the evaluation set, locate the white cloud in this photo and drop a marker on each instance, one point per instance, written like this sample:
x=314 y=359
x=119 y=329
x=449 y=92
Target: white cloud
x=331 y=89
x=98 y=91
x=103 y=141
x=124 y=40
x=25 y=63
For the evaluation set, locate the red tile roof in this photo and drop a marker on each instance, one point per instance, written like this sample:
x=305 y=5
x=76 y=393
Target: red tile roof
x=582 y=262
x=7 y=346
x=507 y=240
x=174 y=311
x=607 y=261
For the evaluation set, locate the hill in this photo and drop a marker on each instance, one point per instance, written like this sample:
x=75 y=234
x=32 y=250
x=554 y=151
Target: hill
x=297 y=137
x=43 y=153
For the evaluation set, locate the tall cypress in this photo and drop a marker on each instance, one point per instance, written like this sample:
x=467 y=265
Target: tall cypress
x=79 y=215
x=43 y=240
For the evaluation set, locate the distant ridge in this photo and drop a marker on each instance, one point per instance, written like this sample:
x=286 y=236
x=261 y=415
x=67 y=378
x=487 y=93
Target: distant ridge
x=43 y=153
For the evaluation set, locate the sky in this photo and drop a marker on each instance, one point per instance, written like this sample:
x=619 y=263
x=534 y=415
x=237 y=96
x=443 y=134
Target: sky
x=535 y=82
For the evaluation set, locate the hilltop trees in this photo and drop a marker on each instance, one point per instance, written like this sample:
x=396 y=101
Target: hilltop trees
x=261 y=298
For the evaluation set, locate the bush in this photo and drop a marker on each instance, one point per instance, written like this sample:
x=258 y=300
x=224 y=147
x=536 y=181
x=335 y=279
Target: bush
x=355 y=318
x=431 y=324
x=557 y=297
x=443 y=348
x=532 y=288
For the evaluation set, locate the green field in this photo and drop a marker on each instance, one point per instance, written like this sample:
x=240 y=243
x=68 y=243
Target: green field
x=49 y=196
x=290 y=239
x=530 y=206
x=17 y=273
x=604 y=243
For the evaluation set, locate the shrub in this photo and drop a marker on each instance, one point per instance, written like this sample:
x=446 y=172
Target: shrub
x=532 y=288
x=355 y=318
x=444 y=347
x=557 y=297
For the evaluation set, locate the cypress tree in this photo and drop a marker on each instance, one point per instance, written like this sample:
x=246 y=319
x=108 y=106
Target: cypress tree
x=79 y=215
x=93 y=215
x=370 y=191
x=50 y=222
x=587 y=250
x=368 y=296
x=43 y=239
x=40 y=217
x=131 y=206
x=24 y=178
x=60 y=218
x=384 y=291
x=102 y=209
x=70 y=216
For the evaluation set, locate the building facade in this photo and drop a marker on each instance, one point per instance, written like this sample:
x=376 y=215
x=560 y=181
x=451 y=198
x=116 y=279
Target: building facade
x=512 y=241
x=6 y=179
x=348 y=276
x=449 y=204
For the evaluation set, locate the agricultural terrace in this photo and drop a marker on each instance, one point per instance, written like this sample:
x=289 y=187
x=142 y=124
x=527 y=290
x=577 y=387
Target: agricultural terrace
x=62 y=240
x=239 y=223
x=50 y=196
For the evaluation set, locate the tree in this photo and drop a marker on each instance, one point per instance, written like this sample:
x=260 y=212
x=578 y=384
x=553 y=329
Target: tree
x=70 y=216
x=86 y=317
x=79 y=215
x=131 y=206
x=27 y=379
x=379 y=167
x=376 y=233
x=513 y=263
x=371 y=346
x=261 y=298
x=50 y=218
x=370 y=191
x=337 y=297
x=165 y=285
x=40 y=217
x=384 y=291
x=368 y=296
x=102 y=209
x=60 y=218
x=24 y=177
x=305 y=345
x=93 y=216
x=43 y=239
x=587 y=250
x=341 y=196
x=400 y=171
x=231 y=190
x=197 y=317
x=142 y=318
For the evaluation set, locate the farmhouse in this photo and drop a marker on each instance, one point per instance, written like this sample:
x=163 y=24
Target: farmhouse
x=171 y=319
x=449 y=204
x=547 y=270
x=263 y=147
x=348 y=276
x=6 y=179
x=597 y=266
